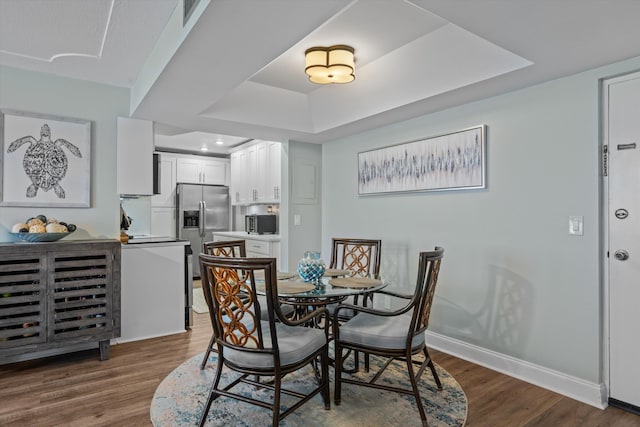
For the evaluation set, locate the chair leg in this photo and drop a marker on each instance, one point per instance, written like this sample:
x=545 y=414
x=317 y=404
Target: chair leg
x=212 y=393
x=338 y=374
x=276 y=400
x=207 y=353
x=324 y=360
x=433 y=368
x=416 y=392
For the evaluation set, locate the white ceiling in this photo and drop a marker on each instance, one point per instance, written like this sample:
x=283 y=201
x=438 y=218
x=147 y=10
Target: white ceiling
x=240 y=69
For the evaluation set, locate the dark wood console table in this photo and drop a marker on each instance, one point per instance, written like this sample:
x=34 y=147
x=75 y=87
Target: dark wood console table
x=58 y=295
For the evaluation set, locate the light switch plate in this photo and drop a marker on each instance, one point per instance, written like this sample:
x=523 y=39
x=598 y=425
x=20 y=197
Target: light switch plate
x=296 y=219
x=576 y=224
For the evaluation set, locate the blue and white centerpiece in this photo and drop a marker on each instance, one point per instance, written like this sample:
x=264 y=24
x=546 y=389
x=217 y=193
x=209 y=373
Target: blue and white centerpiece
x=311 y=267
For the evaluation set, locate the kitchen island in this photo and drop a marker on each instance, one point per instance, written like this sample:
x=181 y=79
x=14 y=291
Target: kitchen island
x=156 y=292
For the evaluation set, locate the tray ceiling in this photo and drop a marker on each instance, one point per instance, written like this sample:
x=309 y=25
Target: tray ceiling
x=240 y=69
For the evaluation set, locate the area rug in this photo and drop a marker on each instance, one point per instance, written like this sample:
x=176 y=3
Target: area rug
x=180 y=398
x=199 y=303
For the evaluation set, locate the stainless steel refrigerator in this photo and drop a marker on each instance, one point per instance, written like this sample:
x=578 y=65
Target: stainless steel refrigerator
x=202 y=209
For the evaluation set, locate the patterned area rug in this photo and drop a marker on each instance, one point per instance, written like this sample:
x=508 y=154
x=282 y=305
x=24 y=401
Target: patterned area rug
x=180 y=398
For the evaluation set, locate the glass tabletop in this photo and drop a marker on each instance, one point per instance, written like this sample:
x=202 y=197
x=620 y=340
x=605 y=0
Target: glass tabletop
x=325 y=288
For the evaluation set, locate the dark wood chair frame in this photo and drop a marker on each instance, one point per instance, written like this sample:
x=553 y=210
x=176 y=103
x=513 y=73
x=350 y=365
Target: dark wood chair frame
x=349 y=253
x=248 y=266
x=420 y=306
x=229 y=248
x=362 y=257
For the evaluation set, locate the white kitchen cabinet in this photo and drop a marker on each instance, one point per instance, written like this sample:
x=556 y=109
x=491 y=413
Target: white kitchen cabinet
x=201 y=170
x=263 y=246
x=274 y=151
x=255 y=174
x=214 y=172
x=163 y=221
x=261 y=181
x=135 y=145
x=238 y=188
x=168 y=179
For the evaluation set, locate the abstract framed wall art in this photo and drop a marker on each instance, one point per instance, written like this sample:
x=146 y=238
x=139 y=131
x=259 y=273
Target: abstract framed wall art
x=451 y=161
x=46 y=160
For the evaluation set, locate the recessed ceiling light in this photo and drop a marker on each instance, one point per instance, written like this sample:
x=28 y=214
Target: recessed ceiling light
x=220 y=142
x=204 y=148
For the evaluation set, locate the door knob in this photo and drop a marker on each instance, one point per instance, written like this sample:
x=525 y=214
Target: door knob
x=621 y=255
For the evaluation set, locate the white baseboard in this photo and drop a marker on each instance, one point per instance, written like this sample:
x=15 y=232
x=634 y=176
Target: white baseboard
x=123 y=340
x=584 y=391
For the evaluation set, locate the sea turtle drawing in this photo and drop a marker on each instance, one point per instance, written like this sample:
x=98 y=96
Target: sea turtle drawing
x=44 y=161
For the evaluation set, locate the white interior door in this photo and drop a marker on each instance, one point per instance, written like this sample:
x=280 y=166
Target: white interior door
x=623 y=134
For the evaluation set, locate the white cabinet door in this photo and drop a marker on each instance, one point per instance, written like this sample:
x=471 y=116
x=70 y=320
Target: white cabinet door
x=189 y=170
x=262 y=193
x=167 y=196
x=135 y=156
x=163 y=222
x=238 y=184
x=275 y=165
x=251 y=173
x=214 y=172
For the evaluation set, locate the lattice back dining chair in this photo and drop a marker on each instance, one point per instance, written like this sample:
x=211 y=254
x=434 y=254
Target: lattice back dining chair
x=251 y=346
x=362 y=258
x=398 y=334
x=233 y=249
x=229 y=248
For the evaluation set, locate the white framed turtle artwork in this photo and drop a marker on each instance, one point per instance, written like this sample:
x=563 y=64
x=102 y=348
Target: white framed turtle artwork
x=46 y=160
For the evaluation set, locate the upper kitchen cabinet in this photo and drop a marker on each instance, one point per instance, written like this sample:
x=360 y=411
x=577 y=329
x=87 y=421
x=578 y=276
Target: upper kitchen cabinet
x=255 y=174
x=202 y=170
x=168 y=179
x=274 y=152
x=238 y=189
x=135 y=156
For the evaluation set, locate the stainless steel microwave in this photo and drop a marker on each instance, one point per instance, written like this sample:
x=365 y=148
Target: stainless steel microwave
x=260 y=224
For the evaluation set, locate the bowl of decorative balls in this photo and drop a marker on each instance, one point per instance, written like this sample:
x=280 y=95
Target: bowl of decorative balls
x=42 y=229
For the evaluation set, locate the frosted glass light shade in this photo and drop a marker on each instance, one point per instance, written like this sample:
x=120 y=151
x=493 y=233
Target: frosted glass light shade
x=334 y=64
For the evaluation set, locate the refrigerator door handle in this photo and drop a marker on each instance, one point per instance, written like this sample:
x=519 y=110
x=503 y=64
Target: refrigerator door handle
x=204 y=218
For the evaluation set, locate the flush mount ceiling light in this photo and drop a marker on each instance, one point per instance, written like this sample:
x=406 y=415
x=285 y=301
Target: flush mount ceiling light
x=332 y=64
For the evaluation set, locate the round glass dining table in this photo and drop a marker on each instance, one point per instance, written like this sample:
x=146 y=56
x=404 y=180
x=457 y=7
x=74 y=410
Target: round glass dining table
x=326 y=290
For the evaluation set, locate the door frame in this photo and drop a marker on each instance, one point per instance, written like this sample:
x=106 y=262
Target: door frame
x=605 y=83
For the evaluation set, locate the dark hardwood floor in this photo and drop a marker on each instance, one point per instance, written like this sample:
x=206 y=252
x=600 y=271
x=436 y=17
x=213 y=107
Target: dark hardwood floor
x=79 y=390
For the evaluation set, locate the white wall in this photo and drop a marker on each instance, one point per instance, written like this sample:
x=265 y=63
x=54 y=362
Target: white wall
x=46 y=94
x=513 y=280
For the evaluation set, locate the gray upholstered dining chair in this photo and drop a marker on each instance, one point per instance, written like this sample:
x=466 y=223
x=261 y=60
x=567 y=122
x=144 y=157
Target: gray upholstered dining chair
x=233 y=249
x=362 y=258
x=398 y=334
x=251 y=346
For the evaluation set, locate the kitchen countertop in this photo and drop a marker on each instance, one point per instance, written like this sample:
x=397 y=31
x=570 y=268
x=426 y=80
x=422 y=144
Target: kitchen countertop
x=245 y=235
x=137 y=241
